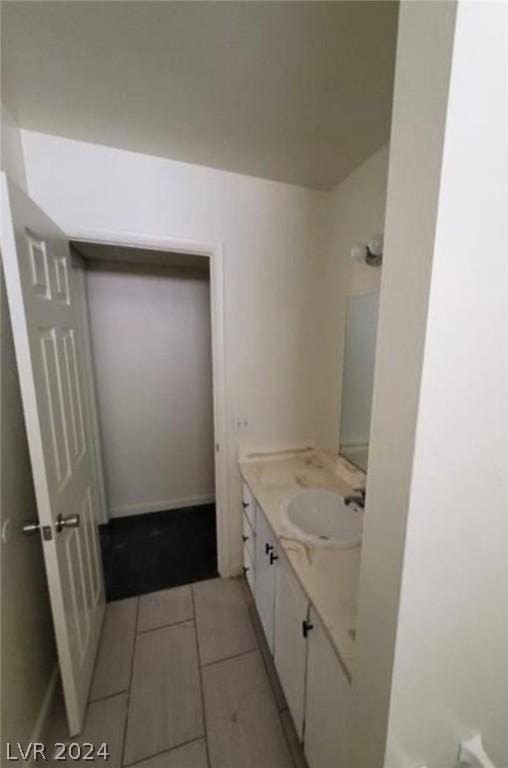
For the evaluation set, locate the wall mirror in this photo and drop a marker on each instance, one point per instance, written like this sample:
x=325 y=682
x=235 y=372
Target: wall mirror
x=358 y=378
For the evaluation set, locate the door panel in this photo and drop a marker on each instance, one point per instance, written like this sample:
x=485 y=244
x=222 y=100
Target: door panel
x=71 y=368
x=36 y=263
x=91 y=418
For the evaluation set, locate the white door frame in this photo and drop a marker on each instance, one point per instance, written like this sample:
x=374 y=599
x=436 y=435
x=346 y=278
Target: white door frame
x=212 y=251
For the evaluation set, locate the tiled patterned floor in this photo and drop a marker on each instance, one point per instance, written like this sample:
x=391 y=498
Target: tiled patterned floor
x=184 y=679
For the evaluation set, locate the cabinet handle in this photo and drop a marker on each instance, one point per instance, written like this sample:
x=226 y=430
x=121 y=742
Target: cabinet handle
x=268 y=548
x=306 y=627
x=244 y=537
x=273 y=558
x=245 y=569
x=245 y=504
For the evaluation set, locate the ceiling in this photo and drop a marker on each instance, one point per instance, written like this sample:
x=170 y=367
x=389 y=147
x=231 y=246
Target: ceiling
x=299 y=92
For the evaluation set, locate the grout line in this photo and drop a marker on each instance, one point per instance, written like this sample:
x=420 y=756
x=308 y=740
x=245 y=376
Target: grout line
x=230 y=658
x=129 y=692
x=108 y=696
x=164 y=626
x=166 y=751
x=200 y=677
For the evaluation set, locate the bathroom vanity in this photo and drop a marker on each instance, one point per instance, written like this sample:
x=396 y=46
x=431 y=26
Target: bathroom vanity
x=304 y=583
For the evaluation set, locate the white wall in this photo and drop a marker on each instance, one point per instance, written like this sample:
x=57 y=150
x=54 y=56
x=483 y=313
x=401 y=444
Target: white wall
x=272 y=236
x=151 y=341
x=450 y=674
x=418 y=120
x=356 y=211
x=438 y=439
x=28 y=651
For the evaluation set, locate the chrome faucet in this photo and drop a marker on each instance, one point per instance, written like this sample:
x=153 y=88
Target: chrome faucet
x=358 y=500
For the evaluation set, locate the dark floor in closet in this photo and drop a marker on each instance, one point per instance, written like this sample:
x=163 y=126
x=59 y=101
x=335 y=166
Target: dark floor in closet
x=145 y=553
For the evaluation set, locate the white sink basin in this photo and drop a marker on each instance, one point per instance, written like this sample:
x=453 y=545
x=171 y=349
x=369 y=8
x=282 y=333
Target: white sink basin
x=323 y=519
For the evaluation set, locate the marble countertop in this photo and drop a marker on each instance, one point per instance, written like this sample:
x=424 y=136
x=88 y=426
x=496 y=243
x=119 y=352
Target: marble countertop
x=328 y=576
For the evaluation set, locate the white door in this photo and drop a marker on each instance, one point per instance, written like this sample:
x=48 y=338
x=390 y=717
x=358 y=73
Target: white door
x=80 y=300
x=266 y=555
x=327 y=704
x=37 y=273
x=290 y=647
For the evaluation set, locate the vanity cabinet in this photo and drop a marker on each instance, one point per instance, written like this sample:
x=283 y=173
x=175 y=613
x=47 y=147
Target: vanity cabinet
x=249 y=506
x=249 y=537
x=249 y=515
x=290 y=647
x=266 y=557
x=316 y=687
x=249 y=569
x=327 y=704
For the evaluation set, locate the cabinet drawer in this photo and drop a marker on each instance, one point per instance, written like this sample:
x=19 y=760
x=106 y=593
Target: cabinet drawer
x=249 y=506
x=248 y=569
x=248 y=537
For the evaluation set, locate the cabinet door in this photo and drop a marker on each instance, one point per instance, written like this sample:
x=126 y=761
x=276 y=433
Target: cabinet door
x=248 y=569
x=265 y=576
x=249 y=505
x=291 y=611
x=327 y=705
x=249 y=537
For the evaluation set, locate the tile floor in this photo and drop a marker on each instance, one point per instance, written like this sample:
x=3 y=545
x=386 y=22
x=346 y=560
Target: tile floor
x=184 y=679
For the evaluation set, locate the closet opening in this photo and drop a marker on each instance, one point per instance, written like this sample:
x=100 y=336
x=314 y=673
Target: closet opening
x=148 y=346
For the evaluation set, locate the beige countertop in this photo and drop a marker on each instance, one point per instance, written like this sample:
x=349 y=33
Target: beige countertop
x=328 y=576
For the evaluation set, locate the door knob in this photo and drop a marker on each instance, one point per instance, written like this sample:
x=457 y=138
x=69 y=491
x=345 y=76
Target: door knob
x=66 y=521
x=29 y=528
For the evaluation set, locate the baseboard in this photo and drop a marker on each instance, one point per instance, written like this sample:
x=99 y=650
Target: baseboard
x=161 y=506
x=235 y=570
x=41 y=723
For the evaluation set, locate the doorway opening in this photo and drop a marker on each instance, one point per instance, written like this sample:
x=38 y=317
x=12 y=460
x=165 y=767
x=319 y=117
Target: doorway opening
x=147 y=327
